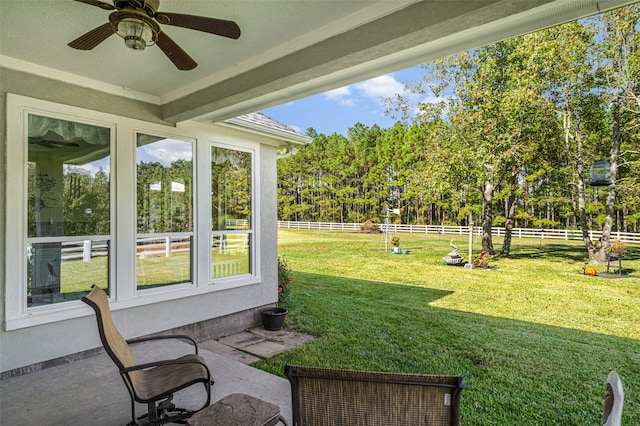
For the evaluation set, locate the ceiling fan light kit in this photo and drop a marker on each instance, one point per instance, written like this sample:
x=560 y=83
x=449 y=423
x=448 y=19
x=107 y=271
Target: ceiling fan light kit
x=138 y=23
x=137 y=31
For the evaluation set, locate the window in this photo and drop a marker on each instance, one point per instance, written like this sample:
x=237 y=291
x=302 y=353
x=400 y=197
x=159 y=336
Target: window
x=68 y=209
x=164 y=212
x=231 y=212
x=78 y=202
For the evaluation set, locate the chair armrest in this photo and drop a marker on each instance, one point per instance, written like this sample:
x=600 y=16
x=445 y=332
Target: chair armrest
x=163 y=337
x=166 y=362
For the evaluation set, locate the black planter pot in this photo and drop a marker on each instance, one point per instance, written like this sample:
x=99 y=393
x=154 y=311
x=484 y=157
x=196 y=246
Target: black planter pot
x=273 y=318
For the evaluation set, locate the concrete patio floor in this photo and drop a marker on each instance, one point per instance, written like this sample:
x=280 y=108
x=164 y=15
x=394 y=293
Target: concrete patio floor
x=91 y=392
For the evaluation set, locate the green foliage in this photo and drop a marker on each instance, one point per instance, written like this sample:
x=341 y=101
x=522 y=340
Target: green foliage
x=517 y=124
x=499 y=220
x=544 y=223
x=285 y=280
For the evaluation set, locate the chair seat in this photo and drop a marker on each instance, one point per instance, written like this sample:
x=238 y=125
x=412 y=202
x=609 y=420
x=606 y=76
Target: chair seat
x=154 y=382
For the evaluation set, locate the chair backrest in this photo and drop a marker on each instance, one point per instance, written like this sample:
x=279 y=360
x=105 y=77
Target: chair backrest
x=114 y=344
x=613 y=401
x=344 y=397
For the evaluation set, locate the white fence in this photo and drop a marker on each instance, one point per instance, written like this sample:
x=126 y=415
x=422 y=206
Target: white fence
x=145 y=247
x=557 y=234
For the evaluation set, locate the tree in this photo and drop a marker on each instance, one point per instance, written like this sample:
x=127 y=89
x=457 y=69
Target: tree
x=621 y=66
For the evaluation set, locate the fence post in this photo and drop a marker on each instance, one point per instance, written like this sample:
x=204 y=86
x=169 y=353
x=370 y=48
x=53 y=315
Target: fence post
x=86 y=251
x=167 y=247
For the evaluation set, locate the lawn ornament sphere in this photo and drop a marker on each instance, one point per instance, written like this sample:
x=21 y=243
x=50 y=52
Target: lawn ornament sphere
x=590 y=271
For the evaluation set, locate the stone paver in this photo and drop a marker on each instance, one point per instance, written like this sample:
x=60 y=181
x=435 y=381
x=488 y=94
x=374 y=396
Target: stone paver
x=286 y=337
x=254 y=344
x=266 y=349
x=217 y=347
x=240 y=340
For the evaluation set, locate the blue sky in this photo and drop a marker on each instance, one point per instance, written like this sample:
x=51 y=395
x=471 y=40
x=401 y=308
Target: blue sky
x=339 y=109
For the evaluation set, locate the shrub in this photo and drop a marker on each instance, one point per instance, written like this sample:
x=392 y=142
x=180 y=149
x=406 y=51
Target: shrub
x=285 y=279
x=370 y=227
x=617 y=247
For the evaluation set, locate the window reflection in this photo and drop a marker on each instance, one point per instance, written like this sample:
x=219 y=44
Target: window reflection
x=69 y=195
x=230 y=189
x=164 y=213
x=231 y=208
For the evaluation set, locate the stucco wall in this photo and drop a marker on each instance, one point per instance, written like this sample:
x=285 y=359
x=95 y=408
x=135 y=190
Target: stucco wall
x=35 y=344
x=3 y=169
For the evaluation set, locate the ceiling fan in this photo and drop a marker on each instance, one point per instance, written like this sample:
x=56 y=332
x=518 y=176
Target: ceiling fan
x=138 y=23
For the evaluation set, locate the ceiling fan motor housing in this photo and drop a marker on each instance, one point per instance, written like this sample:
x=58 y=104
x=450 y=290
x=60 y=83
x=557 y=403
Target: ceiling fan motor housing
x=149 y=6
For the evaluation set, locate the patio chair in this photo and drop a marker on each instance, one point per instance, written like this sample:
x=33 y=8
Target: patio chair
x=152 y=383
x=342 y=397
x=613 y=401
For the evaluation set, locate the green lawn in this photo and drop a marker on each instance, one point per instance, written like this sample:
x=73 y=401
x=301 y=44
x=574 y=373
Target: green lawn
x=533 y=337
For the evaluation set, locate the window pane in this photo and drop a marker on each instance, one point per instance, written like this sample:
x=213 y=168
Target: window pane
x=64 y=271
x=68 y=178
x=164 y=206
x=230 y=255
x=231 y=203
x=230 y=189
x=163 y=261
x=164 y=185
x=68 y=194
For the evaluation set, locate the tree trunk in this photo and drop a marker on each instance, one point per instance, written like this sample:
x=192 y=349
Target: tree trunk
x=605 y=239
x=487 y=217
x=506 y=245
x=582 y=213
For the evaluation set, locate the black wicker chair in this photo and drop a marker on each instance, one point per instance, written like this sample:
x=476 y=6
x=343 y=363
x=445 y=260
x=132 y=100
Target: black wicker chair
x=342 y=397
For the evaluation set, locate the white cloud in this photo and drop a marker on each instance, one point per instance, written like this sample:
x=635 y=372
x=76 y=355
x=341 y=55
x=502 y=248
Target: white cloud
x=95 y=167
x=341 y=95
x=375 y=88
x=380 y=87
x=167 y=151
x=337 y=94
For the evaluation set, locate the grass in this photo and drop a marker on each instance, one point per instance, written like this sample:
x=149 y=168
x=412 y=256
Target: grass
x=533 y=336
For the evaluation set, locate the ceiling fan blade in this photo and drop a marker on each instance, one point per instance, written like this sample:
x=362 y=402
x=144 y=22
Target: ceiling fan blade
x=179 y=57
x=93 y=38
x=100 y=4
x=215 y=26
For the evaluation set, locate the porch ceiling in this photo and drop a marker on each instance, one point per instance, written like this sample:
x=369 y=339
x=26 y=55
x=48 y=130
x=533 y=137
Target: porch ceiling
x=287 y=50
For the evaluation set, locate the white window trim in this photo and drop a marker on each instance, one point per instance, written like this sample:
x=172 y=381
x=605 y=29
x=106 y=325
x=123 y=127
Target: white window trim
x=123 y=293
x=192 y=233
x=17 y=315
x=254 y=240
